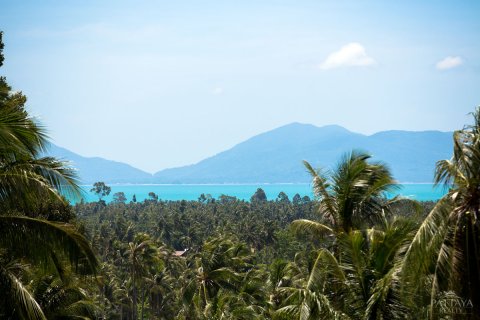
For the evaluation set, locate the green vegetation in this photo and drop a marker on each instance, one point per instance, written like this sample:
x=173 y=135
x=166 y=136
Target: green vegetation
x=102 y=190
x=215 y=258
x=31 y=246
x=348 y=254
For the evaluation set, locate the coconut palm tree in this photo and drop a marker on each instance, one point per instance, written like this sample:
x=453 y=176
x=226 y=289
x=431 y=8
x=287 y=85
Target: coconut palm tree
x=24 y=174
x=301 y=296
x=349 y=196
x=219 y=268
x=354 y=279
x=40 y=243
x=360 y=282
x=63 y=298
x=247 y=302
x=25 y=177
x=445 y=252
x=142 y=256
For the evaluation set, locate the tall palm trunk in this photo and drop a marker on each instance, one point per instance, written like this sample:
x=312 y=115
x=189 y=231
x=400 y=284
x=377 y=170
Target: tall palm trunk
x=468 y=283
x=134 y=294
x=143 y=300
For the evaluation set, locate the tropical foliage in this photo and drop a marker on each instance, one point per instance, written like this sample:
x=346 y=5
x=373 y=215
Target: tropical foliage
x=241 y=259
x=445 y=252
x=351 y=253
x=31 y=244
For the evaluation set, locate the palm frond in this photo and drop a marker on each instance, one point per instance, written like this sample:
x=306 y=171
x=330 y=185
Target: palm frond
x=321 y=188
x=326 y=270
x=313 y=228
x=35 y=239
x=27 y=177
x=423 y=249
x=19 y=133
x=17 y=297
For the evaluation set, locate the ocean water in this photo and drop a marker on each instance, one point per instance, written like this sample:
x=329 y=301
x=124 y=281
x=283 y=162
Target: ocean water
x=421 y=192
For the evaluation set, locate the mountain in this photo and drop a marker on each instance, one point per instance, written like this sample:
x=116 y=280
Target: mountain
x=276 y=156
x=91 y=170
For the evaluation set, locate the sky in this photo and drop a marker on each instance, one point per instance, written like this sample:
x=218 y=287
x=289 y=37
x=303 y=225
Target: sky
x=160 y=84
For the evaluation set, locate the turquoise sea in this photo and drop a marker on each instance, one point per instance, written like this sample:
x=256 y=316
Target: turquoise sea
x=421 y=192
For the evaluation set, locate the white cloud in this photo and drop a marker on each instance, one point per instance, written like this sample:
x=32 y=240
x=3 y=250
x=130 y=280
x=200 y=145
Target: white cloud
x=350 y=55
x=217 y=90
x=449 y=63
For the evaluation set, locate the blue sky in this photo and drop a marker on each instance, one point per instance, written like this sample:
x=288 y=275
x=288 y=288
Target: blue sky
x=166 y=83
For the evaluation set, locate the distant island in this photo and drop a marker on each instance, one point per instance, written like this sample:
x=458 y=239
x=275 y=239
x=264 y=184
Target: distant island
x=276 y=157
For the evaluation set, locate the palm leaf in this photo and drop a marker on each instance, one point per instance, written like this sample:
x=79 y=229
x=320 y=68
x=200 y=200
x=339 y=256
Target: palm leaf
x=35 y=239
x=17 y=297
x=313 y=228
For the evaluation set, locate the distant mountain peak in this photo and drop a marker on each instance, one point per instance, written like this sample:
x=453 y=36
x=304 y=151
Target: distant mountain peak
x=296 y=125
x=297 y=129
x=309 y=125
x=276 y=156
x=334 y=128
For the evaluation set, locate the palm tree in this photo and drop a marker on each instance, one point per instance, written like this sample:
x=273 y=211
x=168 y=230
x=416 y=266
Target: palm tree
x=142 y=255
x=160 y=285
x=300 y=296
x=115 y=299
x=343 y=284
x=24 y=178
x=358 y=284
x=161 y=296
x=446 y=249
x=219 y=268
x=247 y=302
x=24 y=174
x=41 y=243
x=63 y=298
x=351 y=195
x=280 y=274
